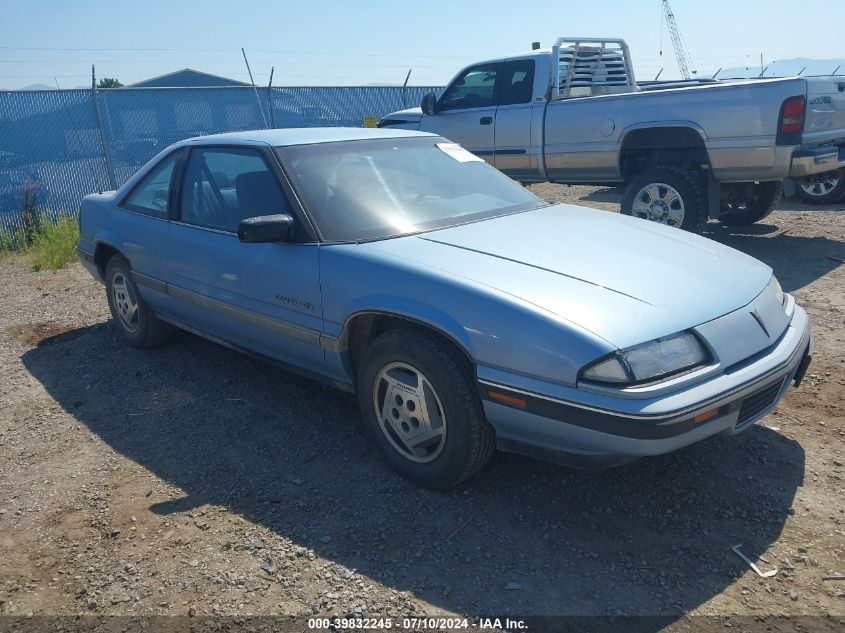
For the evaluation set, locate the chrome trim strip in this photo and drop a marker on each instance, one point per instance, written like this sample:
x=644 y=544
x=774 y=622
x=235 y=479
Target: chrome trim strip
x=149 y=282
x=203 y=228
x=331 y=343
x=81 y=252
x=295 y=369
x=297 y=332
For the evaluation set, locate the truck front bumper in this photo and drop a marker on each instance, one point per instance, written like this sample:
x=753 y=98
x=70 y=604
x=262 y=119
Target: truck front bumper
x=574 y=433
x=806 y=162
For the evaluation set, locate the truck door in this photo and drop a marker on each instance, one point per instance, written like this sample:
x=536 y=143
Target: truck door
x=514 y=154
x=466 y=112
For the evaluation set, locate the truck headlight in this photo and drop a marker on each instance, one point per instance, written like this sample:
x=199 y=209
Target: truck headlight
x=650 y=361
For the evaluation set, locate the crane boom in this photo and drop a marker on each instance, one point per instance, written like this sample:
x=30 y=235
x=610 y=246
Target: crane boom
x=681 y=54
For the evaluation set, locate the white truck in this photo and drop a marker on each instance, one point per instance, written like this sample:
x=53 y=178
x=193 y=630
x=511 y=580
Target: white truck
x=685 y=151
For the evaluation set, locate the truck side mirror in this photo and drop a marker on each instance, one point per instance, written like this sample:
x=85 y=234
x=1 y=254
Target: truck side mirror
x=429 y=104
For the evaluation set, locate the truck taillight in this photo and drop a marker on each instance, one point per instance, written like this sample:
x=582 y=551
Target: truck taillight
x=792 y=115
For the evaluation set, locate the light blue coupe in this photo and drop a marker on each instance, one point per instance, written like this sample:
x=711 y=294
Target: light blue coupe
x=464 y=312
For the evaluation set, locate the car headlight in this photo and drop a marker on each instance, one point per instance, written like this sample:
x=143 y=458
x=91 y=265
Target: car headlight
x=649 y=361
x=775 y=286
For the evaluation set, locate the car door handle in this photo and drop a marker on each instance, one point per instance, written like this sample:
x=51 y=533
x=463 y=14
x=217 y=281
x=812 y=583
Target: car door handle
x=486 y=120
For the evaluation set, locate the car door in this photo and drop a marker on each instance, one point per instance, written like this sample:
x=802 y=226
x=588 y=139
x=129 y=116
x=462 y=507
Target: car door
x=514 y=154
x=466 y=112
x=142 y=223
x=261 y=297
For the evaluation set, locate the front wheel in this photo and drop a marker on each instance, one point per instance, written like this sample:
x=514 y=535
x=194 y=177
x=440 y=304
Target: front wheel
x=667 y=195
x=419 y=403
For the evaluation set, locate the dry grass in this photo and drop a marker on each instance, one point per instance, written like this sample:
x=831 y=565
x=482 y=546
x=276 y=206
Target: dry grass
x=49 y=245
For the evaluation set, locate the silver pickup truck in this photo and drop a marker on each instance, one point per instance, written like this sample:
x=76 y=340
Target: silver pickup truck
x=686 y=151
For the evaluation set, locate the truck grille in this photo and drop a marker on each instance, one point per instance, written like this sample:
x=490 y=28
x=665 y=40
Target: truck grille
x=758 y=402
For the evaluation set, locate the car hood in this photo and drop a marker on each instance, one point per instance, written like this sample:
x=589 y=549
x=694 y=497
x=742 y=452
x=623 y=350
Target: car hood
x=410 y=115
x=624 y=279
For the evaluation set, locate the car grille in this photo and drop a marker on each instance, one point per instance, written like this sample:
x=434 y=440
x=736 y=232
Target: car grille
x=758 y=402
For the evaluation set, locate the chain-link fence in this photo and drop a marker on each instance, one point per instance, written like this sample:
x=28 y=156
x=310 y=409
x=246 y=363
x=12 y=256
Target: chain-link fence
x=56 y=146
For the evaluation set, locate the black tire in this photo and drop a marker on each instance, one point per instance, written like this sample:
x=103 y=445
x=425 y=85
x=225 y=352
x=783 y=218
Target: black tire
x=822 y=188
x=686 y=183
x=469 y=439
x=148 y=330
x=760 y=205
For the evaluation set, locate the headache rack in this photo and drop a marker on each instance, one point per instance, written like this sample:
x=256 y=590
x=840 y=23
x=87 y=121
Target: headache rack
x=589 y=66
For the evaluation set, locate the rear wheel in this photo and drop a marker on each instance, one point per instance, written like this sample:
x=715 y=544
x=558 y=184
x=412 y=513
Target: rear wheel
x=132 y=317
x=755 y=203
x=419 y=403
x=667 y=195
x=822 y=188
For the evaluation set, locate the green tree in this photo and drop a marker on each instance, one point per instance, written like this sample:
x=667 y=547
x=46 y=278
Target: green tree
x=109 y=82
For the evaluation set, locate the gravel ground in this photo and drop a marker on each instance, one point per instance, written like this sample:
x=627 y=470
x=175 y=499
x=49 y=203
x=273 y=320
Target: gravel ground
x=190 y=479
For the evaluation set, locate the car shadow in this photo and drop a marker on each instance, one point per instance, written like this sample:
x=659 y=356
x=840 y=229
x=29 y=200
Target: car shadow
x=526 y=537
x=797 y=260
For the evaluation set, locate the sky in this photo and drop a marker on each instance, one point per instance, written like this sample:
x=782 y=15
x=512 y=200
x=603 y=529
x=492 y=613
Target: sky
x=325 y=42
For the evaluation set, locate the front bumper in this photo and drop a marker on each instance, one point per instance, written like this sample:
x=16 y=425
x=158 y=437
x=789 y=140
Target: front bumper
x=577 y=432
x=807 y=162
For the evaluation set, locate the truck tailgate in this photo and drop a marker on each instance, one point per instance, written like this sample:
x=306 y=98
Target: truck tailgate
x=825 y=120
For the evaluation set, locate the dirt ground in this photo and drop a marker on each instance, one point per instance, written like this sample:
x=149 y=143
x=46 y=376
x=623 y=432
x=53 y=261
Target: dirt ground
x=191 y=480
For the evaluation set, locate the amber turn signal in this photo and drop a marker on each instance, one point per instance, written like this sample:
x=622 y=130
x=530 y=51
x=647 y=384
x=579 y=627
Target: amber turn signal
x=506 y=399
x=707 y=415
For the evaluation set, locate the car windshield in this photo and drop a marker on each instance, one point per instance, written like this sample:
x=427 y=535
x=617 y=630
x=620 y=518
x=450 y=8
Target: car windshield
x=374 y=189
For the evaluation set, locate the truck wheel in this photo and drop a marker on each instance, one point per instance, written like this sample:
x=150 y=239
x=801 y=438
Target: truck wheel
x=667 y=195
x=419 y=403
x=754 y=209
x=822 y=188
x=132 y=317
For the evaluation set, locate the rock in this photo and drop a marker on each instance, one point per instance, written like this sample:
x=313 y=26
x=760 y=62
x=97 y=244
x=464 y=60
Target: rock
x=269 y=566
x=793 y=595
x=192 y=612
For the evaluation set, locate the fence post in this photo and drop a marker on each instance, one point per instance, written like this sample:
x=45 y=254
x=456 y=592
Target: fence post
x=270 y=99
x=103 y=139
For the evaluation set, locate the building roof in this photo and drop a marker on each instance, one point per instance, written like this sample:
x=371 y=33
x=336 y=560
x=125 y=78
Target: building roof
x=187 y=78
x=308 y=135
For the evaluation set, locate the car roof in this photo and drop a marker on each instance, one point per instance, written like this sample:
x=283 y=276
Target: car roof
x=306 y=135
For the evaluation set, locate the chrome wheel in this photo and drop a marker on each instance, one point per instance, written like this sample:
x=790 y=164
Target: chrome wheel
x=409 y=412
x=820 y=185
x=659 y=202
x=125 y=302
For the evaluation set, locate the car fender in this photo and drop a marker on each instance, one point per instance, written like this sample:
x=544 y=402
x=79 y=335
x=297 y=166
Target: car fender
x=413 y=311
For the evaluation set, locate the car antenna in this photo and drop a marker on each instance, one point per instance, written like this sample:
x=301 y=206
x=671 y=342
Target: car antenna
x=76 y=129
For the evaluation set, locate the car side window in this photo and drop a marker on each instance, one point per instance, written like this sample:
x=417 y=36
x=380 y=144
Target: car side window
x=474 y=88
x=223 y=186
x=152 y=195
x=517 y=82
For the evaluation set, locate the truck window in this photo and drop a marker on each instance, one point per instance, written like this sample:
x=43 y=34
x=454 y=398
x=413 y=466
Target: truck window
x=474 y=88
x=517 y=82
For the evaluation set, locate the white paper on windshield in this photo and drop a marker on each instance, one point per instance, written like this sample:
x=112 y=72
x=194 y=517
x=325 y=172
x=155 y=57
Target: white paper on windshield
x=457 y=152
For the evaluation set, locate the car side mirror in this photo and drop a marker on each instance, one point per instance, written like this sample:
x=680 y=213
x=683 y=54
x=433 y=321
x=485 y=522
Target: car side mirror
x=429 y=104
x=265 y=228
